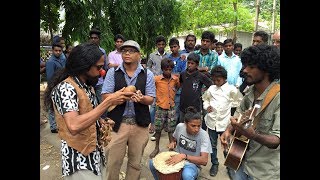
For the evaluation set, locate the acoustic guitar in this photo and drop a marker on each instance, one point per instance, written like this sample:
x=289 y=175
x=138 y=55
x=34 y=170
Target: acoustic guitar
x=239 y=142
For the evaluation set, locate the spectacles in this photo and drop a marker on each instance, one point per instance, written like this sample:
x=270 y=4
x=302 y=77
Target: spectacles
x=275 y=41
x=99 y=67
x=131 y=51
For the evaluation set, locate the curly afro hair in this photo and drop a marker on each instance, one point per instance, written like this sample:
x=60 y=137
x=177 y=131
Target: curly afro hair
x=265 y=57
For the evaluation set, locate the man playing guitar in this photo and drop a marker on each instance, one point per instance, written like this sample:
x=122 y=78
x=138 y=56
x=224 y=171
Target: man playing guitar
x=262 y=154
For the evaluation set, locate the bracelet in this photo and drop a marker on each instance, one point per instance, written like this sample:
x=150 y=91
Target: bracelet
x=186 y=157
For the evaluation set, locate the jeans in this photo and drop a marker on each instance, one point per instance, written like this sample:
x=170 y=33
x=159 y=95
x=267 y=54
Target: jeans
x=190 y=171
x=213 y=135
x=52 y=121
x=241 y=175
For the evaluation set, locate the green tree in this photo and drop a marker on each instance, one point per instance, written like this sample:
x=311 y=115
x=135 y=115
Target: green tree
x=266 y=8
x=140 y=20
x=203 y=14
x=144 y=20
x=81 y=16
x=49 y=15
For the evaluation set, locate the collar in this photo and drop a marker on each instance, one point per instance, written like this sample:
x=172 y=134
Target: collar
x=193 y=74
x=139 y=68
x=117 y=52
x=164 y=53
x=80 y=84
x=172 y=77
x=224 y=87
x=199 y=52
x=226 y=56
x=263 y=95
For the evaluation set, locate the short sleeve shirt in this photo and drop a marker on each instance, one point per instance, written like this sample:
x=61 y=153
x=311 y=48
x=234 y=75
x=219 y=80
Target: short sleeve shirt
x=109 y=85
x=191 y=144
x=66 y=100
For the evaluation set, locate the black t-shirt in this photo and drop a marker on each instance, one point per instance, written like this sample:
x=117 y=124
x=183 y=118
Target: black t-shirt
x=191 y=85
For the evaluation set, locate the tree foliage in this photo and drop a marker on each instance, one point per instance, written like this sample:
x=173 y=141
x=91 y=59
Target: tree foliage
x=49 y=15
x=200 y=15
x=266 y=10
x=140 y=20
x=143 y=20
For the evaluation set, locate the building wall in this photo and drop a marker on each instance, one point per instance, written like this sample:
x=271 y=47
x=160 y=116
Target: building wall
x=245 y=38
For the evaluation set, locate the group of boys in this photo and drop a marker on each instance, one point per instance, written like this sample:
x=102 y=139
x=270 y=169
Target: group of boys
x=171 y=84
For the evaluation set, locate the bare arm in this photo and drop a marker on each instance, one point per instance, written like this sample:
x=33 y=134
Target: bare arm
x=200 y=160
x=76 y=122
x=271 y=141
x=226 y=135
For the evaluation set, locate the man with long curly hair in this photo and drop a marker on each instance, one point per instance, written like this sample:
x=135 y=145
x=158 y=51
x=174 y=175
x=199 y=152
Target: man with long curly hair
x=71 y=96
x=262 y=157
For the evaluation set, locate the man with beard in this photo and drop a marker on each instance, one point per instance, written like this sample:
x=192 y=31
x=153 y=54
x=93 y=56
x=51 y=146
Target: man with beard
x=262 y=157
x=70 y=94
x=131 y=118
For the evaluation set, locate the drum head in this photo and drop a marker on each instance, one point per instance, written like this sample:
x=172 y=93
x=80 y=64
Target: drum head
x=160 y=164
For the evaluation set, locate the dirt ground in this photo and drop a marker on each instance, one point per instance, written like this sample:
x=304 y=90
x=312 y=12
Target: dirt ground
x=50 y=158
x=50 y=164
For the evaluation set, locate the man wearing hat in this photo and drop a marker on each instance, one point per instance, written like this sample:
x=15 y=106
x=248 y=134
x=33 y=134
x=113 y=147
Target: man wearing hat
x=131 y=118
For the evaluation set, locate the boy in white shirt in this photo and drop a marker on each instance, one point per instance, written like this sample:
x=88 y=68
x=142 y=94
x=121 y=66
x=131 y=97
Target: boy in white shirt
x=217 y=100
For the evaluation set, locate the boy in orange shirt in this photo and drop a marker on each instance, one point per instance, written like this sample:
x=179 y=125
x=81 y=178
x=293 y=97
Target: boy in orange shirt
x=166 y=88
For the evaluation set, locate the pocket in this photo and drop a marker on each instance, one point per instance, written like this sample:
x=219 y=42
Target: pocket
x=265 y=124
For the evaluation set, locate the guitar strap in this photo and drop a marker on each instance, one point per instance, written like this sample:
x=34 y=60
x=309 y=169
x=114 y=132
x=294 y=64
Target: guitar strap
x=270 y=95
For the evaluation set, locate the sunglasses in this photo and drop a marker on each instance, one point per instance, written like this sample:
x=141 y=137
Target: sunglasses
x=131 y=51
x=99 y=67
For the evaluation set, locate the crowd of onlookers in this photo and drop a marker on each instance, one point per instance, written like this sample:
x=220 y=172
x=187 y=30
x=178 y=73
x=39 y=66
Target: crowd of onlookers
x=203 y=82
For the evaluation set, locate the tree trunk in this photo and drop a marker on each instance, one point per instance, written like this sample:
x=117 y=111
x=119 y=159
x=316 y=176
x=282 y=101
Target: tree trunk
x=235 y=23
x=257 y=14
x=273 y=16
